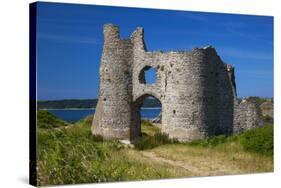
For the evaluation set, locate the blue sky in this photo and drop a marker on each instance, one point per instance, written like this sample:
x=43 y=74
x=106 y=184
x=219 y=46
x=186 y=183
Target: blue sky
x=70 y=39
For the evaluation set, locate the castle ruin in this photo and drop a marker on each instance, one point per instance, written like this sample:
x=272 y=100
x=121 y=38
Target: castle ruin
x=196 y=88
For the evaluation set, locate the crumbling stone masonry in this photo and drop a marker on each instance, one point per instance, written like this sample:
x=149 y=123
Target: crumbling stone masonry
x=248 y=115
x=196 y=88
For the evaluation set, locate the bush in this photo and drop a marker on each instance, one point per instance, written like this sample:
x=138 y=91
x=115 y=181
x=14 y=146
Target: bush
x=218 y=140
x=213 y=141
x=142 y=143
x=97 y=138
x=258 y=140
x=149 y=142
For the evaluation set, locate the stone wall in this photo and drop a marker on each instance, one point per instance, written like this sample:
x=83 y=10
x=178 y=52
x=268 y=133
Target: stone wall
x=248 y=115
x=196 y=89
x=267 y=108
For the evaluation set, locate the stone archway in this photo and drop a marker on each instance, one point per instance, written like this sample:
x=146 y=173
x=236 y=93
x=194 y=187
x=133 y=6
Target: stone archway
x=136 y=114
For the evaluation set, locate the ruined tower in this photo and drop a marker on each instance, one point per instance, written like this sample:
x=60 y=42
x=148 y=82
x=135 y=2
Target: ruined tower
x=113 y=111
x=196 y=88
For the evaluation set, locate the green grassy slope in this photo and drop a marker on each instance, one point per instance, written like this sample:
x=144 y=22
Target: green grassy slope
x=47 y=120
x=72 y=155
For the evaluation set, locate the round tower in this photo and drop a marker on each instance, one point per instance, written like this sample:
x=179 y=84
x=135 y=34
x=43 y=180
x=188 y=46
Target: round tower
x=189 y=105
x=113 y=112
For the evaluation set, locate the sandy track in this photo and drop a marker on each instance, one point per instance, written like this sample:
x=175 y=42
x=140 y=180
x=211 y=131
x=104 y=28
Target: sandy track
x=200 y=168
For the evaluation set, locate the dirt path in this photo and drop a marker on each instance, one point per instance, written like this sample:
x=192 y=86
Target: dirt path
x=200 y=168
x=181 y=164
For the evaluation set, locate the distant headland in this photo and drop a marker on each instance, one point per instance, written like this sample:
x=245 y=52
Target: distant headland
x=85 y=104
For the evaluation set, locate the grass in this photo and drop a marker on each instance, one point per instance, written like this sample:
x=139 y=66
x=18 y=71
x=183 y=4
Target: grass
x=149 y=142
x=148 y=129
x=47 y=120
x=71 y=155
x=151 y=137
x=258 y=140
x=223 y=159
x=209 y=142
x=248 y=152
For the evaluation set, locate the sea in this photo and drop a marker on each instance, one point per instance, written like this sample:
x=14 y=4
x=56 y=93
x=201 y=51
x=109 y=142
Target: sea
x=73 y=115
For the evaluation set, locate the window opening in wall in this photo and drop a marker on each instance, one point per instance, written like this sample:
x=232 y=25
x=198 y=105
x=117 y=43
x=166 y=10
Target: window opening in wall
x=148 y=75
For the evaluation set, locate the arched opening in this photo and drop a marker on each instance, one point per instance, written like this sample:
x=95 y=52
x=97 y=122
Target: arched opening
x=148 y=75
x=147 y=116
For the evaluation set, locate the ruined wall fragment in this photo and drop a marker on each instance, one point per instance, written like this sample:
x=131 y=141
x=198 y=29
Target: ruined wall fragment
x=247 y=115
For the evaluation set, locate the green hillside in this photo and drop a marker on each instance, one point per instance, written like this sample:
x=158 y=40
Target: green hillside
x=67 y=103
x=47 y=120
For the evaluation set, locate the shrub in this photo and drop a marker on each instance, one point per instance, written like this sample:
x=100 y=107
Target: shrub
x=97 y=138
x=258 y=140
x=143 y=143
x=213 y=141
x=149 y=142
x=217 y=140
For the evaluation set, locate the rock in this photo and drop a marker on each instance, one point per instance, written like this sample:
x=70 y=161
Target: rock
x=126 y=142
